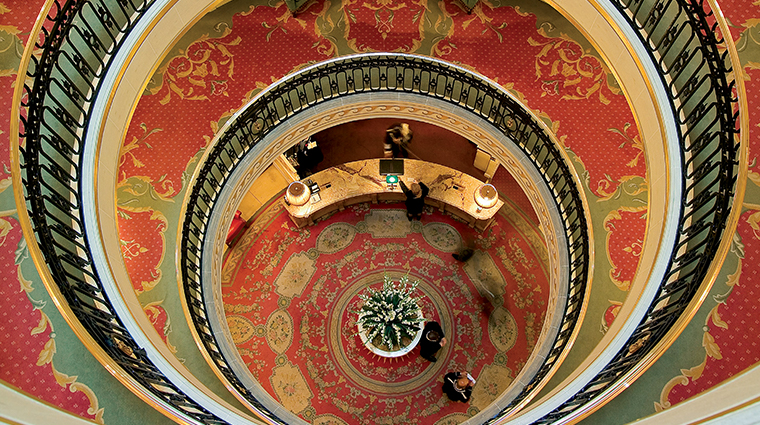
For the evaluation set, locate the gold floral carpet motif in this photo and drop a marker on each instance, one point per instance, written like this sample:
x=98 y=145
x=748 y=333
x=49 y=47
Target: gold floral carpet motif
x=291 y=295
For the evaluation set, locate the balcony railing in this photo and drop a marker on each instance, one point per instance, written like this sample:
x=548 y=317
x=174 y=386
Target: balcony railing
x=684 y=42
x=361 y=74
x=79 y=39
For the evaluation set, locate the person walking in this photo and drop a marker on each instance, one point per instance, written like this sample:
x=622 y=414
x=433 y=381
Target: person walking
x=397 y=138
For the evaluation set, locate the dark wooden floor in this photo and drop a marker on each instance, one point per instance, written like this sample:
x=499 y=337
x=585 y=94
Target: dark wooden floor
x=360 y=140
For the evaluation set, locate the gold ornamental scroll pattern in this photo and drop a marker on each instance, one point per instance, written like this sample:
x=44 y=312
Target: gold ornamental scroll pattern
x=408 y=110
x=291 y=387
x=400 y=109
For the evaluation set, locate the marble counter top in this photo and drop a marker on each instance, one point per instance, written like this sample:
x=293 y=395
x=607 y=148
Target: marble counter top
x=362 y=179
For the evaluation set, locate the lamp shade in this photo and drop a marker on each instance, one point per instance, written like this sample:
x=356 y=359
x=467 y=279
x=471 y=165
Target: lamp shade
x=486 y=196
x=297 y=193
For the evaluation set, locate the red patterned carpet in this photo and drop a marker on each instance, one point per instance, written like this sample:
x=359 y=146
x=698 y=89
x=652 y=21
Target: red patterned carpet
x=729 y=341
x=232 y=57
x=196 y=89
x=27 y=336
x=290 y=296
x=29 y=351
x=229 y=58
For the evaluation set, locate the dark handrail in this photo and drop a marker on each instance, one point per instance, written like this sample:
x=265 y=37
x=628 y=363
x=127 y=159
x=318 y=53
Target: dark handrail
x=683 y=42
x=382 y=73
x=78 y=41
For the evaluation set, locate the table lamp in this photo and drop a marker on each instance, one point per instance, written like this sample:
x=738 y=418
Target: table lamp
x=297 y=194
x=486 y=196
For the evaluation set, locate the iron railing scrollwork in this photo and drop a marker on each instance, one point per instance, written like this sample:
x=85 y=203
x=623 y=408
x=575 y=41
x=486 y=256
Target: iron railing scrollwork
x=78 y=41
x=683 y=42
x=80 y=38
x=381 y=73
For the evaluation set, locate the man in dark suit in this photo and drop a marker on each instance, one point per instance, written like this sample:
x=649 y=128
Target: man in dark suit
x=415 y=198
x=432 y=340
x=458 y=386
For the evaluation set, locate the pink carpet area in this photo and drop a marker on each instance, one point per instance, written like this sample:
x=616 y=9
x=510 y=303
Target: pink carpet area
x=290 y=296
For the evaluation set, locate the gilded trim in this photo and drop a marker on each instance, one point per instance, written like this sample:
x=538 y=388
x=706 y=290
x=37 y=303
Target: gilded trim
x=663 y=132
x=34 y=250
x=108 y=107
x=186 y=310
x=33 y=247
x=425 y=113
x=731 y=409
x=41 y=401
x=727 y=411
x=721 y=253
x=650 y=244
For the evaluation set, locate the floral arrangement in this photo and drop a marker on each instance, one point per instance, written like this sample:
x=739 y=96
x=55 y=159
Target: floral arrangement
x=391 y=314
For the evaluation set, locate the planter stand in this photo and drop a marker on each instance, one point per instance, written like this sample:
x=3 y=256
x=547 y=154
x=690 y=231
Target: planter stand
x=394 y=353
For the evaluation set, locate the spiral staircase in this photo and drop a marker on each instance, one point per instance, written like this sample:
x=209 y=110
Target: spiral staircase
x=93 y=57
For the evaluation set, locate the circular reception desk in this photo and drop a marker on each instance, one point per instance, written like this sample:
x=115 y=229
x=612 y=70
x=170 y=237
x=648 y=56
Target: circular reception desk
x=361 y=181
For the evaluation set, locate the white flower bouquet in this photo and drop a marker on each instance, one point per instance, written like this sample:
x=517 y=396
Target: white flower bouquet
x=391 y=316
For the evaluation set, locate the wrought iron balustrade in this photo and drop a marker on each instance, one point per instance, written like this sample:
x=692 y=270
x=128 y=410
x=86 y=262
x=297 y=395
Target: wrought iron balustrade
x=683 y=41
x=354 y=75
x=77 y=42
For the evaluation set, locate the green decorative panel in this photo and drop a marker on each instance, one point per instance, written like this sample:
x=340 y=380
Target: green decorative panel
x=468 y=4
x=294 y=5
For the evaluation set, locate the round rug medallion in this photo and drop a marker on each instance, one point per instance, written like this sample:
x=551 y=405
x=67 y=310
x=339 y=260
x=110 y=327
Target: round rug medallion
x=241 y=328
x=298 y=292
x=375 y=373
